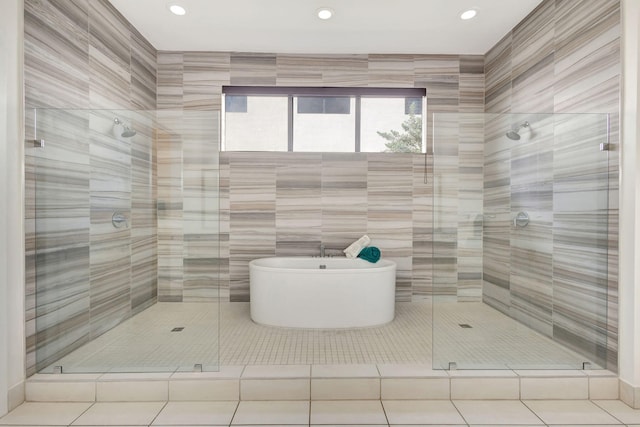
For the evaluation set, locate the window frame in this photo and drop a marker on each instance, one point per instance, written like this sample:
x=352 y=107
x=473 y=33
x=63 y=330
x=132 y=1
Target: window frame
x=356 y=92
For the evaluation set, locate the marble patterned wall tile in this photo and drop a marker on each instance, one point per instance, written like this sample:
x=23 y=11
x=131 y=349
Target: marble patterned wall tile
x=470 y=203
x=497 y=65
x=587 y=64
x=344 y=198
x=170 y=213
x=63 y=82
x=471 y=87
x=143 y=72
x=223 y=273
x=446 y=181
x=170 y=90
x=109 y=57
x=499 y=99
x=56 y=75
x=533 y=39
x=80 y=54
x=110 y=246
x=109 y=83
x=61 y=259
x=252 y=231
x=588 y=79
x=298 y=204
x=297 y=70
x=531 y=246
x=201 y=217
x=572 y=65
x=109 y=32
x=390 y=213
x=422 y=220
x=253 y=69
x=533 y=89
x=440 y=75
x=345 y=70
x=391 y=71
x=144 y=257
x=332 y=70
x=204 y=75
x=471 y=64
x=497 y=214
x=580 y=226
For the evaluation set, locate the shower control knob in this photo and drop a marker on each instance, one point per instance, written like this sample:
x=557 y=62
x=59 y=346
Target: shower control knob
x=521 y=220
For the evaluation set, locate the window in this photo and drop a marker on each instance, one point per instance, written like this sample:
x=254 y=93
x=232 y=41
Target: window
x=413 y=106
x=312 y=119
x=323 y=105
x=235 y=104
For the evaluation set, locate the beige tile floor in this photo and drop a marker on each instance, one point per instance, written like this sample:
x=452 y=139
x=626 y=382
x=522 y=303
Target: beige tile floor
x=308 y=413
x=224 y=335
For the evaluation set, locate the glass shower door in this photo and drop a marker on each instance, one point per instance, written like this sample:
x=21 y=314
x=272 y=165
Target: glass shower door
x=520 y=241
x=126 y=240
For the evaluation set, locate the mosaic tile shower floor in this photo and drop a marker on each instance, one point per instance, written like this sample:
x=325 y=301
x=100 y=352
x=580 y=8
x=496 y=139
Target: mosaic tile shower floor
x=146 y=341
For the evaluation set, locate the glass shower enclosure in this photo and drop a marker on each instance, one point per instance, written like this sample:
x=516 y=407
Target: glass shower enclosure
x=126 y=240
x=520 y=238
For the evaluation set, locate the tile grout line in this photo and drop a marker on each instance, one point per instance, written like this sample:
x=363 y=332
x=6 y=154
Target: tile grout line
x=534 y=412
x=83 y=412
x=459 y=412
x=158 y=414
x=234 y=413
x=618 y=419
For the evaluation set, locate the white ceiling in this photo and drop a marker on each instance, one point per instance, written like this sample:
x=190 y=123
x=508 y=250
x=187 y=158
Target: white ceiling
x=359 y=26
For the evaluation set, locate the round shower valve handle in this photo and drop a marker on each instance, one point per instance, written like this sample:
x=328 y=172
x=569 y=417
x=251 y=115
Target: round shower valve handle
x=521 y=220
x=118 y=220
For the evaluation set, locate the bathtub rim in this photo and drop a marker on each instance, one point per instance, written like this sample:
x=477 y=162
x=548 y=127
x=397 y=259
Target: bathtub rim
x=383 y=264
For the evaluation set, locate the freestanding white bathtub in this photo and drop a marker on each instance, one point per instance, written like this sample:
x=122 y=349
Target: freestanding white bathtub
x=322 y=292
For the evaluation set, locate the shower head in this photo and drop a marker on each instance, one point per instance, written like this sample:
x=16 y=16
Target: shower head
x=120 y=128
x=128 y=132
x=514 y=134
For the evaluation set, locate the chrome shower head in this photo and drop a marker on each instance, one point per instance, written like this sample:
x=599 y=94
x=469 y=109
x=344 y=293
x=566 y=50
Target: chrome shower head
x=121 y=128
x=514 y=134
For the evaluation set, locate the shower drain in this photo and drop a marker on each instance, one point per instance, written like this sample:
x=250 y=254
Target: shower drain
x=178 y=329
x=464 y=325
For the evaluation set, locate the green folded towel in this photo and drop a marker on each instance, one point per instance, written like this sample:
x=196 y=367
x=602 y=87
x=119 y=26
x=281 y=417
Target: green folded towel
x=370 y=253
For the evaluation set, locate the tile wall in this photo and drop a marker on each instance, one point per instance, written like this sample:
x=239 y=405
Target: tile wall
x=563 y=58
x=289 y=203
x=84 y=57
x=82 y=54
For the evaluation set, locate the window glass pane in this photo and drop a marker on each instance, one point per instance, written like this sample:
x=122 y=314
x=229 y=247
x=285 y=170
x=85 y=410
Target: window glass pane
x=323 y=105
x=262 y=128
x=327 y=131
x=413 y=106
x=337 y=105
x=386 y=127
x=310 y=105
x=235 y=104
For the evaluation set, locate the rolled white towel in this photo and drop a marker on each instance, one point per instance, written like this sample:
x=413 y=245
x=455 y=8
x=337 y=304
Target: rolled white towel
x=354 y=249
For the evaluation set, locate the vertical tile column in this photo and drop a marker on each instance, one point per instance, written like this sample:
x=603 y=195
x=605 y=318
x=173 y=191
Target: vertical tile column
x=390 y=213
x=470 y=171
x=57 y=180
x=252 y=202
x=298 y=206
x=497 y=171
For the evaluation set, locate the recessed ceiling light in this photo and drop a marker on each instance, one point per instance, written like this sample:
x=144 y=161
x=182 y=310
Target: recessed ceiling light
x=176 y=9
x=468 y=14
x=325 y=13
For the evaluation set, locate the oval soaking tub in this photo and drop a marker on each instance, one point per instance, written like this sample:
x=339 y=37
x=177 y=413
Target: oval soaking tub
x=300 y=292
